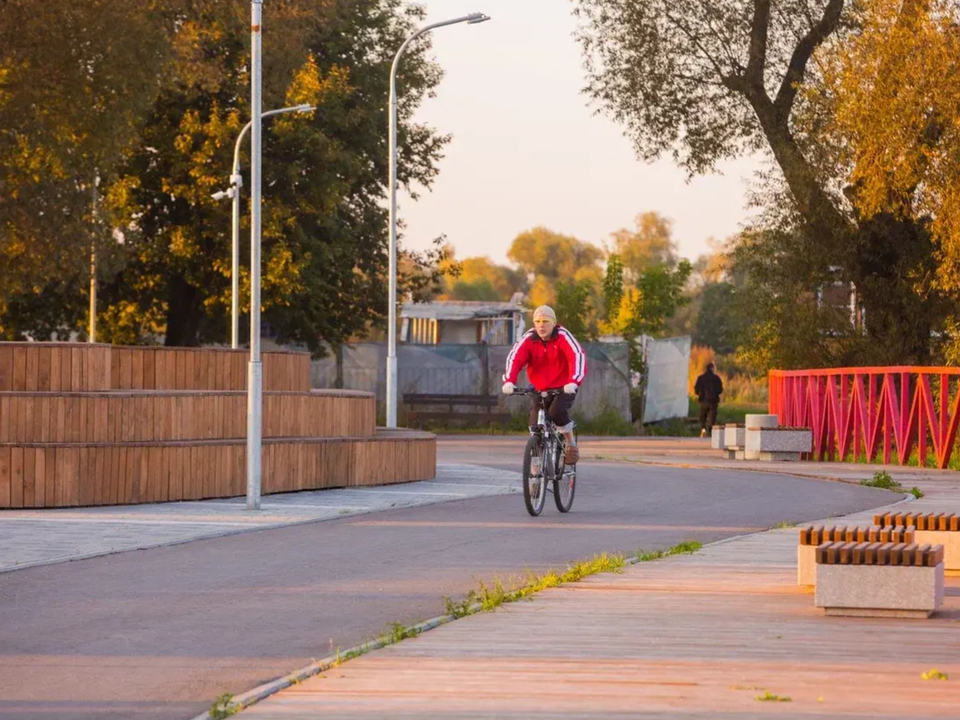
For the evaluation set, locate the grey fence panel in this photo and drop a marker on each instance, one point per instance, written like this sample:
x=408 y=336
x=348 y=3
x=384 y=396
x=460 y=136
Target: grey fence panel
x=459 y=369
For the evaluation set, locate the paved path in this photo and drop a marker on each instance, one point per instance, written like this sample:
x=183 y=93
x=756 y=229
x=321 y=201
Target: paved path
x=157 y=634
x=40 y=537
x=702 y=636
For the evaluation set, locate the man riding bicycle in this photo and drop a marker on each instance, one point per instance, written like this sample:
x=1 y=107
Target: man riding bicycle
x=554 y=359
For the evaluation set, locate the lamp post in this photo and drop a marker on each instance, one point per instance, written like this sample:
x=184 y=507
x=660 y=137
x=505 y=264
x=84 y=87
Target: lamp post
x=255 y=379
x=471 y=19
x=233 y=192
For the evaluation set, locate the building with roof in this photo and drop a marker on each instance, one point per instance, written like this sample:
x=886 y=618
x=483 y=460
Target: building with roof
x=463 y=322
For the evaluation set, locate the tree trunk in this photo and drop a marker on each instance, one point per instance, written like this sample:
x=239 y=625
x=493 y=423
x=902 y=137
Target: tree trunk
x=184 y=314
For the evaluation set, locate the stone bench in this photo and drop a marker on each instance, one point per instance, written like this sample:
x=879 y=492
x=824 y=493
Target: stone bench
x=874 y=579
x=812 y=536
x=933 y=528
x=734 y=436
x=754 y=423
x=776 y=444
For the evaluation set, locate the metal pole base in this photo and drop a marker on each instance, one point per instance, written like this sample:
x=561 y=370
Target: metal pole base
x=254 y=433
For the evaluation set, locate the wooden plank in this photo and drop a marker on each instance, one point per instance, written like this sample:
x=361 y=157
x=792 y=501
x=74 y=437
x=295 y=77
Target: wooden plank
x=6 y=367
x=136 y=371
x=66 y=368
x=16 y=477
x=44 y=360
x=6 y=470
x=50 y=477
x=29 y=477
x=19 y=368
x=76 y=369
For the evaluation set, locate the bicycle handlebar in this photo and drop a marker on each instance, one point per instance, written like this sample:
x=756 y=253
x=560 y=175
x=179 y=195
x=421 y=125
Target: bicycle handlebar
x=542 y=393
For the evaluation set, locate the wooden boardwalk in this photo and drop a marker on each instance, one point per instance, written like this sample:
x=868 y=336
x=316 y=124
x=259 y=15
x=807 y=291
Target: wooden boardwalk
x=700 y=636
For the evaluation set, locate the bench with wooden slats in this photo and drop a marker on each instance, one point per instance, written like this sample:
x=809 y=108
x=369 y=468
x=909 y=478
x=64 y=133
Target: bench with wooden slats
x=941 y=522
x=879 y=579
x=936 y=528
x=812 y=536
x=818 y=534
x=879 y=553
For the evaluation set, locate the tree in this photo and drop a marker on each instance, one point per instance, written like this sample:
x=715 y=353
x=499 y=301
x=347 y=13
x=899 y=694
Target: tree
x=893 y=96
x=710 y=81
x=573 y=308
x=482 y=279
x=324 y=223
x=75 y=81
x=543 y=252
x=650 y=243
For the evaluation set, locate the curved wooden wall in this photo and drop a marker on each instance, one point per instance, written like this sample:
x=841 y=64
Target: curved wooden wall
x=120 y=417
x=69 y=474
x=84 y=424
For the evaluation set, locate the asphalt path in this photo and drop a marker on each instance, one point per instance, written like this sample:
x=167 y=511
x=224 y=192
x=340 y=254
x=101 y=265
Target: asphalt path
x=161 y=633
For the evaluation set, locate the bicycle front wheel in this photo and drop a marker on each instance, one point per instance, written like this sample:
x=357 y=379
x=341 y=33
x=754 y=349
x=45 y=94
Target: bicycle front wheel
x=534 y=480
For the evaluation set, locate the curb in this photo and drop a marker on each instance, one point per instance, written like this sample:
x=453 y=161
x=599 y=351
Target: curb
x=262 y=692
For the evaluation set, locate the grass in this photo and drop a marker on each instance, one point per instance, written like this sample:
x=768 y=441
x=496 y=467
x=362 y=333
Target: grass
x=934 y=674
x=770 y=697
x=732 y=412
x=884 y=481
x=223 y=708
x=687 y=547
x=783 y=524
x=485 y=599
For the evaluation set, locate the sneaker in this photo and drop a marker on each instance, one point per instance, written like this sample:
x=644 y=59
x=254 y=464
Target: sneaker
x=703 y=432
x=571 y=455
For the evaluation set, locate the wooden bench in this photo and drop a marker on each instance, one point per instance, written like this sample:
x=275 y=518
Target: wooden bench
x=812 y=536
x=879 y=579
x=933 y=528
x=486 y=415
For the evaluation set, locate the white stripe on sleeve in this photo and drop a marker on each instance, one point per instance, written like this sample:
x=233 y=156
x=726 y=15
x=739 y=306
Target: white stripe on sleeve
x=513 y=354
x=580 y=365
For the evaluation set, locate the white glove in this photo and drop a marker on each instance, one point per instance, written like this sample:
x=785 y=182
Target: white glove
x=570 y=388
x=508 y=388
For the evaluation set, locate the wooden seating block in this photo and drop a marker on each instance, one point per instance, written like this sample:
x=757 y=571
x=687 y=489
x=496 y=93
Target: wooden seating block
x=902 y=579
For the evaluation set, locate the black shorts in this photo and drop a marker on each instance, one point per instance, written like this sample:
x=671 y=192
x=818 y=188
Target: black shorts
x=557 y=406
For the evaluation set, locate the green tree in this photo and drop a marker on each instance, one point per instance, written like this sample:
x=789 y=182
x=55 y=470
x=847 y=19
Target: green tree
x=612 y=287
x=324 y=224
x=573 y=308
x=554 y=256
x=650 y=243
x=710 y=81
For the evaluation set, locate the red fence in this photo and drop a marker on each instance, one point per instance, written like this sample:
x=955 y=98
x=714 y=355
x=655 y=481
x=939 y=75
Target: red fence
x=860 y=412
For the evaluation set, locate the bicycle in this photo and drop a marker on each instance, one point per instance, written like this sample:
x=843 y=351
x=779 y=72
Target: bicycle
x=543 y=461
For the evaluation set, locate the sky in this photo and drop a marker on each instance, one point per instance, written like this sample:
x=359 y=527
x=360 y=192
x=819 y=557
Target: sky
x=528 y=149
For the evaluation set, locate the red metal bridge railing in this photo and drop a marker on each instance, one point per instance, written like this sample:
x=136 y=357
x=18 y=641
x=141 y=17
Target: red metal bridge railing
x=860 y=412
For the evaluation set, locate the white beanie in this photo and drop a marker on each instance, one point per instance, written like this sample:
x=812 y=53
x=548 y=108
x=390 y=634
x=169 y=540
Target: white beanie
x=545 y=311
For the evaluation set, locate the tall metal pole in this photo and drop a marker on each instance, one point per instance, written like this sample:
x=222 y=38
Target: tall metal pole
x=92 y=331
x=236 y=182
x=392 y=141
x=255 y=382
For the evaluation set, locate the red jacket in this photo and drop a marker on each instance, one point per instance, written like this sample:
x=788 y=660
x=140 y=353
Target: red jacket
x=550 y=363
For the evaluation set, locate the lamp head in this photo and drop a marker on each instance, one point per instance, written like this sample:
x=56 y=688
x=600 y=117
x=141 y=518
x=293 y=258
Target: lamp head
x=477 y=18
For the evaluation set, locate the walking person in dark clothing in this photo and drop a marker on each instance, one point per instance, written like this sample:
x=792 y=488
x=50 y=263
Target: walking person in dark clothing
x=708 y=388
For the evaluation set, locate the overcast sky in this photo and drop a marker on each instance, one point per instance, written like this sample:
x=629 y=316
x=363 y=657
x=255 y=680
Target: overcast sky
x=529 y=150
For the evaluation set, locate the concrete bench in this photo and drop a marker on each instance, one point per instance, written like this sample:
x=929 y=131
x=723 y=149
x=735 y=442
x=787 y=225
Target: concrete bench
x=874 y=579
x=754 y=423
x=812 y=536
x=933 y=528
x=776 y=444
x=734 y=436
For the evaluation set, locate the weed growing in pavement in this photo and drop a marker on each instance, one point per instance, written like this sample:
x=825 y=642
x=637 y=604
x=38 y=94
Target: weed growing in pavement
x=934 y=675
x=223 y=707
x=884 y=481
x=770 y=697
x=783 y=524
x=398 y=632
x=685 y=548
x=486 y=598
x=916 y=492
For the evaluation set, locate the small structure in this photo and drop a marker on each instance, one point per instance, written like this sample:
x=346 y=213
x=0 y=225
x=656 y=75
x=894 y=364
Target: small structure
x=466 y=322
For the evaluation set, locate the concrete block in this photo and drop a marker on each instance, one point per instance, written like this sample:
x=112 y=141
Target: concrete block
x=733 y=436
x=951 y=547
x=779 y=440
x=779 y=456
x=879 y=590
x=716 y=438
x=753 y=422
x=806 y=565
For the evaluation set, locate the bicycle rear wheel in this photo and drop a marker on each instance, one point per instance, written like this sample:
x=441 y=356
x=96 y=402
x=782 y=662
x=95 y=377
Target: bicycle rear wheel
x=564 y=483
x=534 y=480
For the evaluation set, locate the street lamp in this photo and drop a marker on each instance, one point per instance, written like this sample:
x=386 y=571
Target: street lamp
x=233 y=192
x=472 y=19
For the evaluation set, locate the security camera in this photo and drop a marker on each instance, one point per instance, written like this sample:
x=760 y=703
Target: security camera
x=221 y=194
